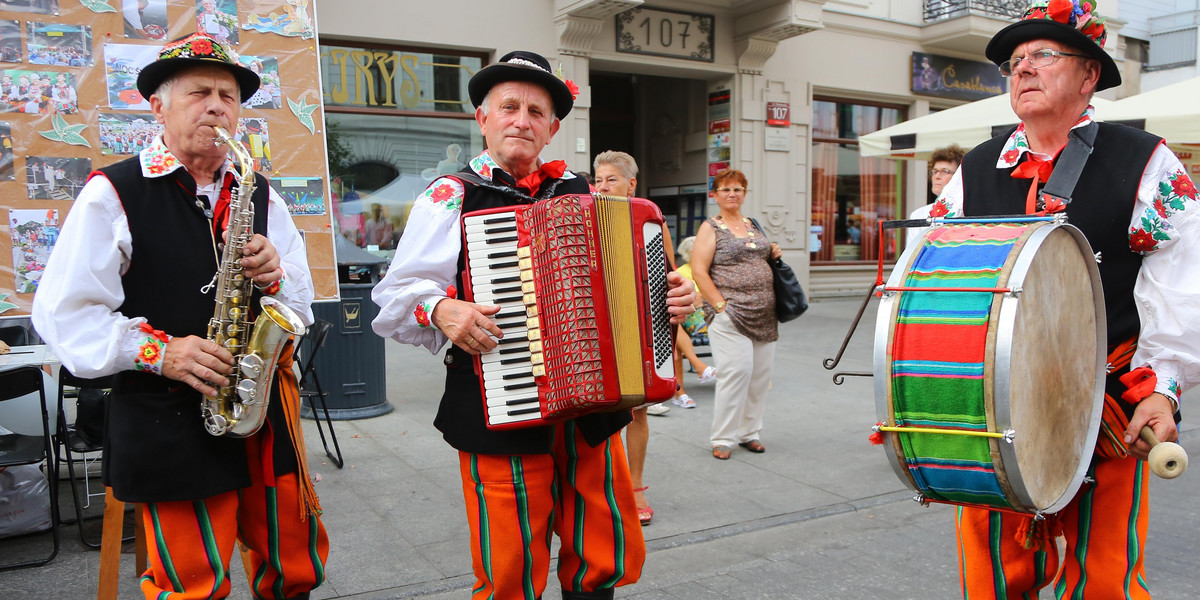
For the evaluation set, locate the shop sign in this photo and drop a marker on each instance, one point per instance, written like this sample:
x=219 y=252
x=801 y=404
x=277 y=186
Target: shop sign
x=376 y=78
x=779 y=114
x=776 y=139
x=716 y=167
x=660 y=32
x=718 y=140
x=948 y=77
x=718 y=125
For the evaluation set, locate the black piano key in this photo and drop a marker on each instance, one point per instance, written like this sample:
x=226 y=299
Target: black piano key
x=514 y=361
x=524 y=411
x=508 y=254
x=511 y=376
x=509 y=279
x=504 y=219
x=520 y=386
x=503 y=265
x=524 y=339
x=495 y=230
x=507 y=290
x=501 y=240
x=513 y=350
x=510 y=313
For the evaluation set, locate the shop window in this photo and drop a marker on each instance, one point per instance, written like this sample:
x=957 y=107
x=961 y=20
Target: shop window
x=850 y=193
x=396 y=119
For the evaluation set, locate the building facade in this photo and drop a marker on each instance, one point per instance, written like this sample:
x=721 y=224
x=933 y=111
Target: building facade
x=780 y=89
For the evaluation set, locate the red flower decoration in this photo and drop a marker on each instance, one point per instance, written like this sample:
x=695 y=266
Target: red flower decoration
x=422 y=316
x=1159 y=207
x=202 y=46
x=573 y=88
x=441 y=193
x=1060 y=10
x=1183 y=186
x=1012 y=155
x=157 y=334
x=149 y=353
x=939 y=209
x=1037 y=13
x=1142 y=241
x=1093 y=29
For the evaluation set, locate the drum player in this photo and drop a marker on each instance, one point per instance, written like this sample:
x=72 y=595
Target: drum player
x=519 y=484
x=1138 y=209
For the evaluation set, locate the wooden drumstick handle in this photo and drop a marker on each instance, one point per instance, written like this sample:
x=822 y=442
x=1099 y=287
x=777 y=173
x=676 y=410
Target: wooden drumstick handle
x=1167 y=459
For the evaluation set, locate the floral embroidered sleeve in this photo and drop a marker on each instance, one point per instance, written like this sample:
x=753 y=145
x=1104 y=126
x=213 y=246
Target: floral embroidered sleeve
x=424 y=268
x=1165 y=229
x=151 y=349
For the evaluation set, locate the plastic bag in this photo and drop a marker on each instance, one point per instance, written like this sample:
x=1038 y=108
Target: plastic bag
x=24 y=500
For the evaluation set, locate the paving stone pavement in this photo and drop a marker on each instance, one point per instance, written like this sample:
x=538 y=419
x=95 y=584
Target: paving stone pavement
x=819 y=515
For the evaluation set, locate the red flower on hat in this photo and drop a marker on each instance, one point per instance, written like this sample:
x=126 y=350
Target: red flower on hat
x=1060 y=10
x=202 y=46
x=574 y=89
x=1036 y=13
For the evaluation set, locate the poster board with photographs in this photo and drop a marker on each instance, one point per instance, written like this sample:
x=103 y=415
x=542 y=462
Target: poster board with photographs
x=69 y=104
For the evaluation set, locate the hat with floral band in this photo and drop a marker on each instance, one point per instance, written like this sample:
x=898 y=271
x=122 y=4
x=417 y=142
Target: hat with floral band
x=521 y=65
x=1072 y=22
x=195 y=50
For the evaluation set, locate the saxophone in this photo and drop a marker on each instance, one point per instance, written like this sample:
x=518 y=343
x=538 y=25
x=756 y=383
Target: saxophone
x=241 y=407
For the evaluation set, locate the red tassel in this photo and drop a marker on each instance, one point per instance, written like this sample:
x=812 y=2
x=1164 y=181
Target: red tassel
x=1141 y=383
x=876 y=437
x=451 y=291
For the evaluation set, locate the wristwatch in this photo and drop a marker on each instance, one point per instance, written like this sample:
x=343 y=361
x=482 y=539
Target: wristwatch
x=720 y=306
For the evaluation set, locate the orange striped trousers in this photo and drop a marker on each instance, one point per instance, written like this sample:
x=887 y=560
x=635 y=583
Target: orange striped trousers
x=1105 y=530
x=189 y=543
x=515 y=504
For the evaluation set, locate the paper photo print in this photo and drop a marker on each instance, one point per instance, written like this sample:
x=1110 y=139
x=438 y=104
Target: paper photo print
x=60 y=44
x=55 y=177
x=269 y=94
x=218 y=18
x=44 y=7
x=292 y=21
x=122 y=63
x=7 y=173
x=145 y=19
x=11 y=42
x=126 y=133
x=303 y=195
x=252 y=133
x=34 y=232
x=33 y=92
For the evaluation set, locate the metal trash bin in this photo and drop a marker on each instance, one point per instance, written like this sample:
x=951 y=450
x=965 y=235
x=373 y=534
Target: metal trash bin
x=351 y=365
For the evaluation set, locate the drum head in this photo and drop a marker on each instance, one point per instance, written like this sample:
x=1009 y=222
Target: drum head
x=1055 y=368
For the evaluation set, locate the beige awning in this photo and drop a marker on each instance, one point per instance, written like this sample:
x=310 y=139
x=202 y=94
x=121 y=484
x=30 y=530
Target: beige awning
x=1170 y=111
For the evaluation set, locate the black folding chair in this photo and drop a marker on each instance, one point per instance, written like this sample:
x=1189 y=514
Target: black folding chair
x=70 y=442
x=310 y=388
x=17 y=449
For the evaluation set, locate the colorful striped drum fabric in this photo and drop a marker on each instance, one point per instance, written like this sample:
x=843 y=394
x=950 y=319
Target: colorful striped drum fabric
x=939 y=350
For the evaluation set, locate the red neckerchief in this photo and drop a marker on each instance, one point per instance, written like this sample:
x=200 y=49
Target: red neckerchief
x=550 y=170
x=1037 y=169
x=221 y=212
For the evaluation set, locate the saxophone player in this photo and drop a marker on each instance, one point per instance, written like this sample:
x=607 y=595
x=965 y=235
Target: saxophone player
x=129 y=291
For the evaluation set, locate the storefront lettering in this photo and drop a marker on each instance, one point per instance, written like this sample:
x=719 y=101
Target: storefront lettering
x=365 y=67
x=973 y=84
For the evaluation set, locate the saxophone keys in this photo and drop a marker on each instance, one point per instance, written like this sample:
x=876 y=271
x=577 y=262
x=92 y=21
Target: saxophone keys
x=246 y=391
x=252 y=366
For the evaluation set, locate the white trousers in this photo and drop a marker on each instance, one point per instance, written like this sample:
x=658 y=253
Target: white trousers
x=743 y=380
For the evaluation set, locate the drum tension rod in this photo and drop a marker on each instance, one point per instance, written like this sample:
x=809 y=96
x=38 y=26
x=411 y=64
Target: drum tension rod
x=1008 y=435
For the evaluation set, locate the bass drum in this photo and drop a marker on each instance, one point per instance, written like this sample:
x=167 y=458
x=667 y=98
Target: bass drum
x=1027 y=364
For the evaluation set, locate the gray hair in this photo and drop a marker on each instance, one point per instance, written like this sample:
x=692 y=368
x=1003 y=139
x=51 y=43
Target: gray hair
x=685 y=248
x=621 y=160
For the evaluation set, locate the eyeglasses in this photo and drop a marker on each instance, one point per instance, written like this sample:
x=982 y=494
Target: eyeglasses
x=735 y=190
x=1037 y=60
x=947 y=172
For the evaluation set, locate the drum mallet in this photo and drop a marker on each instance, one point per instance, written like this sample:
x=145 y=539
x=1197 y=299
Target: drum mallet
x=1167 y=459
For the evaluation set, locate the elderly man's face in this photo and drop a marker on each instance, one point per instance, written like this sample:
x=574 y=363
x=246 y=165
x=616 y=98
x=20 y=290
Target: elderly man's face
x=201 y=98
x=1053 y=90
x=519 y=123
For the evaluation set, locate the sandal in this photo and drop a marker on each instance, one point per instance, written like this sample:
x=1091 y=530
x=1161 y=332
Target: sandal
x=710 y=374
x=645 y=514
x=754 y=446
x=720 y=452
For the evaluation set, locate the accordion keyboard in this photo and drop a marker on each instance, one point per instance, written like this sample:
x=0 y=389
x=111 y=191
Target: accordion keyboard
x=495 y=273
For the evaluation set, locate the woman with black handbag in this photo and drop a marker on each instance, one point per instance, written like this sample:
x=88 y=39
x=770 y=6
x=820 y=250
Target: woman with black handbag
x=731 y=269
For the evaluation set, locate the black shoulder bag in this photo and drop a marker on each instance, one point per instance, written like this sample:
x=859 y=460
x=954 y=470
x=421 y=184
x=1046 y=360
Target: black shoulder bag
x=790 y=301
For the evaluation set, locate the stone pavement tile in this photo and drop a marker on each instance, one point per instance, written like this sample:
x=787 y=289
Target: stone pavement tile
x=379 y=559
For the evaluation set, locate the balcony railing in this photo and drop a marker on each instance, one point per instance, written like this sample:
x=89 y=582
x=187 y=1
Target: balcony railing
x=941 y=10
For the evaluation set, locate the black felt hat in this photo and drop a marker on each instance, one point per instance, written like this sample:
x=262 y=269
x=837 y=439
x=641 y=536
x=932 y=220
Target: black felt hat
x=195 y=50
x=521 y=65
x=1071 y=22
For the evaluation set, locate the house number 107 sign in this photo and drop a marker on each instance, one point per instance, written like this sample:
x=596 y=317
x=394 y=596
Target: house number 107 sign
x=666 y=33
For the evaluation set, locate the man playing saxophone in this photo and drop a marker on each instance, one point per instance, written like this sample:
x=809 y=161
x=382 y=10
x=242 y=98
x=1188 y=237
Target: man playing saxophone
x=130 y=290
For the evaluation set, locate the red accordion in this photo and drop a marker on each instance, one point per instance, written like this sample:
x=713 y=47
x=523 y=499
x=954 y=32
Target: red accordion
x=582 y=285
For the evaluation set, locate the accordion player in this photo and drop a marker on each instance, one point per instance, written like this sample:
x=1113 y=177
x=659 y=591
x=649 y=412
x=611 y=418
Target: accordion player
x=581 y=284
